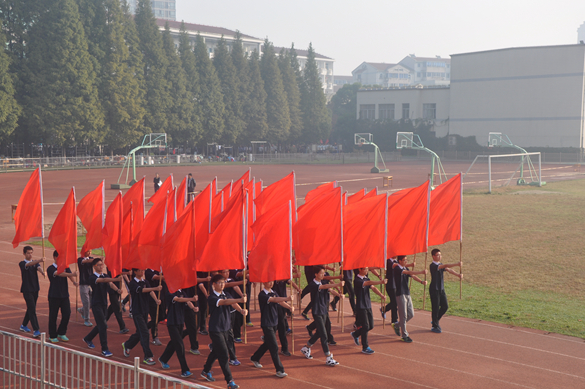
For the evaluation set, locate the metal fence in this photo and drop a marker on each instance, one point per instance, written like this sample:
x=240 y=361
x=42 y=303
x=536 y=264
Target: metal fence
x=33 y=363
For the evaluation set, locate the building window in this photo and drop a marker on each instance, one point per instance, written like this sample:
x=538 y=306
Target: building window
x=429 y=111
x=368 y=111
x=405 y=111
x=386 y=111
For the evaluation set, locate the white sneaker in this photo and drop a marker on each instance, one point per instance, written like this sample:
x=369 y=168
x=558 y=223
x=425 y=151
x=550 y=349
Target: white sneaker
x=306 y=352
x=330 y=361
x=281 y=374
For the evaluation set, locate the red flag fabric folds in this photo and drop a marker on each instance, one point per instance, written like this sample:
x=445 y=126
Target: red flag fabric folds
x=150 y=236
x=357 y=196
x=178 y=252
x=372 y=193
x=29 y=216
x=276 y=195
x=182 y=197
x=364 y=233
x=133 y=206
x=203 y=205
x=270 y=259
x=112 y=236
x=92 y=212
x=161 y=193
x=171 y=208
x=446 y=212
x=63 y=235
x=408 y=212
x=318 y=232
x=246 y=178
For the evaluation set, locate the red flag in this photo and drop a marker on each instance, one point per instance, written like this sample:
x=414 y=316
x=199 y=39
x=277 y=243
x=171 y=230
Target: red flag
x=161 y=193
x=246 y=178
x=233 y=201
x=276 y=195
x=91 y=210
x=171 y=208
x=133 y=206
x=446 y=212
x=203 y=205
x=182 y=197
x=29 y=216
x=408 y=221
x=226 y=246
x=318 y=233
x=357 y=196
x=63 y=235
x=178 y=252
x=372 y=193
x=112 y=236
x=364 y=233
x=317 y=192
x=271 y=257
x=152 y=231
x=214 y=186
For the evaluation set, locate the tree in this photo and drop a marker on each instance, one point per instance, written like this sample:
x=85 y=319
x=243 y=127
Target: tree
x=255 y=103
x=230 y=89
x=189 y=64
x=317 y=122
x=276 y=100
x=293 y=95
x=182 y=105
x=61 y=103
x=17 y=18
x=343 y=106
x=9 y=108
x=211 y=99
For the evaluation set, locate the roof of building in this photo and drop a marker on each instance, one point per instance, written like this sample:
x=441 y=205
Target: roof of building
x=301 y=53
x=430 y=59
x=522 y=48
x=381 y=66
x=202 y=28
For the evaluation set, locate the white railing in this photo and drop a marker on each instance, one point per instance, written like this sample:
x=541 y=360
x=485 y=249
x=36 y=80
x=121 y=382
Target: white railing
x=33 y=363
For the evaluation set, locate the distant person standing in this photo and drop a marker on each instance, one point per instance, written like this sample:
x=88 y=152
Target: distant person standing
x=156 y=182
x=403 y=299
x=30 y=289
x=191 y=184
x=437 y=288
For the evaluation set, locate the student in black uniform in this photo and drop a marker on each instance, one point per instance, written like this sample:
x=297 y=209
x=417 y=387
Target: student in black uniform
x=219 y=327
x=85 y=267
x=437 y=293
x=99 y=305
x=175 y=321
x=141 y=293
x=237 y=320
x=279 y=288
x=313 y=326
x=59 y=300
x=403 y=300
x=30 y=289
x=202 y=294
x=114 y=293
x=363 y=306
x=191 y=321
x=348 y=288
x=155 y=278
x=320 y=299
x=269 y=303
x=157 y=182
x=232 y=291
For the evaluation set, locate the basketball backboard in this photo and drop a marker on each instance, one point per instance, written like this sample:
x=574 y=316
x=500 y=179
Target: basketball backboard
x=362 y=138
x=404 y=140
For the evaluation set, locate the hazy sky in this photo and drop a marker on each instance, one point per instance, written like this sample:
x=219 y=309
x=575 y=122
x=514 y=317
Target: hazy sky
x=387 y=30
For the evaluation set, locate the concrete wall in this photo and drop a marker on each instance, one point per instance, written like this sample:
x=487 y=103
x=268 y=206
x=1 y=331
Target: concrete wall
x=534 y=95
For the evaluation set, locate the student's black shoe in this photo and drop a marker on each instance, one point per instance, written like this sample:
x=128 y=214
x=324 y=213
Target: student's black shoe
x=304 y=314
x=436 y=330
x=396 y=328
x=383 y=313
x=356 y=339
x=332 y=343
x=406 y=339
x=333 y=307
x=286 y=353
x=203 y=332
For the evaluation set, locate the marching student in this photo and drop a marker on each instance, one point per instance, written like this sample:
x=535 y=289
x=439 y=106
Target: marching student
x=191 y=321
x=313 y=326
x=279 y=288
x=85 y=268
x=403 y=299
x=391 y=290
x=154 y=277
x=175 y=321
x=219 y=327
x=363 y=306
x=114 y=293
x=59 y=300
x=30 y=289
x=232 y=291
x=310 y=276
x=320 y=300
x=140 y=291
x=99 y=305
x=269 y=302
x=439 y=304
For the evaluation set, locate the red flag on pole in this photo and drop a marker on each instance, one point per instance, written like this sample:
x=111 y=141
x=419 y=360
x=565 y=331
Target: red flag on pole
x=112 y=236
x=152 y=232
x=317 y=192
x=29 y=215
x=178 y=252
x=446 y=212
x=63 y=235
x=161 y=193
x=203 y=207
x=271 y=257
x=182 y=197
x=372 y=193
x=133 y=206
x=92 y=212
x=276 y=195
x=246 y=178
x=171 y=208
x=318 y=234
x=357 y=196
x=408 y=221
x=364 y=233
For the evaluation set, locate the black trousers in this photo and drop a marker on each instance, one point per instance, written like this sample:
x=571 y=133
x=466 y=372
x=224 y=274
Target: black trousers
x=365 y=323
x=101 y=326
x=347 y=288
x=392 y=306
x=439 y=305
x=282 y=327
x=305 y=292
x=220 y=352
x=249 y=294
x=162 y=313
x=202 y=300
x=313 y=327
x=56 y=304
x=269 y=345
x=232 y=339
x=141 y=335
x=30 y=298
x=191 y=327
x=115 y=308
x=321 y=332
x=175 y=345
x=237 y=323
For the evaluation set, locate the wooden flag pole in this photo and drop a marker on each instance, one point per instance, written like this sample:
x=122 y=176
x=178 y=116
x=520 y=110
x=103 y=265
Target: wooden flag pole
x=414 y=264
x=382 y=301
x=43 y=252
x=460 y=267
x=245 y=324
x=424 y=286
x=157 y=308
x=339 y=313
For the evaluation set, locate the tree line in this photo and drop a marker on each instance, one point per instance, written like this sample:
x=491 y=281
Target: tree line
x=88 y=73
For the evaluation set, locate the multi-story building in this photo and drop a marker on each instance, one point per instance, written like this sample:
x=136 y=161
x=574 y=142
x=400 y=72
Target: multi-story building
x=382 y=74
x=581 y=34
x=165 y=9
x=324 y=65
x=428 y=71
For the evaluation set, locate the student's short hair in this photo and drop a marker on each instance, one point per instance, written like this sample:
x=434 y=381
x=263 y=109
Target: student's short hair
x=318 y=268
x=26 y=248
x=435 y=251
x=216 y=278
x=191 y=174
x=95 y=261
x=400 y=257
x=55 y=254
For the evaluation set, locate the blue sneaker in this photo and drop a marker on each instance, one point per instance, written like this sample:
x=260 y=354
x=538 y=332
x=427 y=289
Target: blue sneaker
x=89 y=343
x=436 y=330
x=25 y=329
x=238 y=340
x=164 y=365
x=356 y=339
x=208 y=376
x=36 y=334
x=107 y=353
x=234 y=362
x=186 y=374
x=232 y=385
x=368 y=351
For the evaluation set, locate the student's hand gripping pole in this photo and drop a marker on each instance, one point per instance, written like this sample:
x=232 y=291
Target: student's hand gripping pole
x=414 y=264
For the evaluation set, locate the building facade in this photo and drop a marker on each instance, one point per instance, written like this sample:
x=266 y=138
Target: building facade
x=165 y=9
x=382 y=74
x=581 y=34
x=428 y=71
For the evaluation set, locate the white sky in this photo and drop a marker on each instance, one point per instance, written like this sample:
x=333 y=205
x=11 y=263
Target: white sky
x=352 y=32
